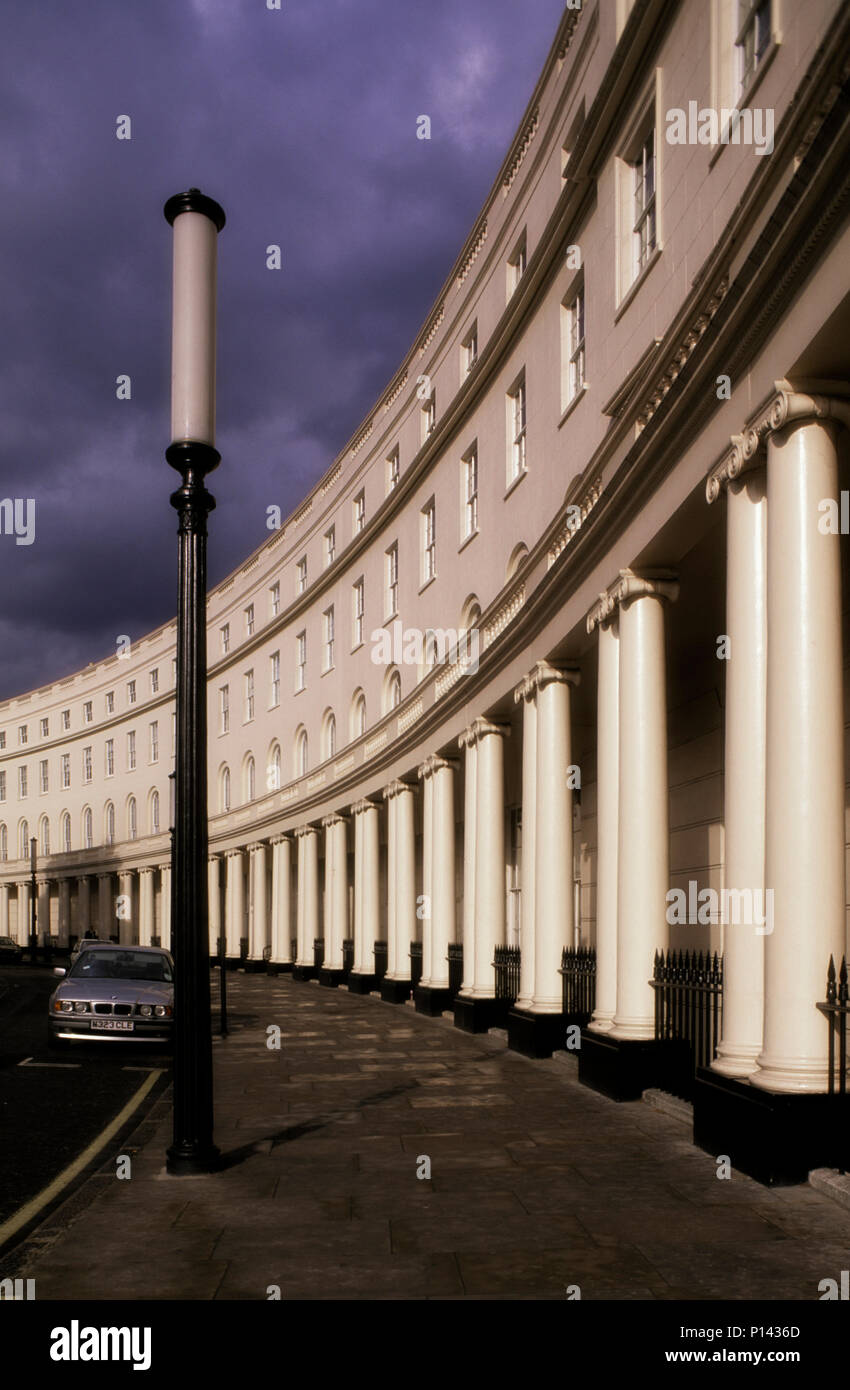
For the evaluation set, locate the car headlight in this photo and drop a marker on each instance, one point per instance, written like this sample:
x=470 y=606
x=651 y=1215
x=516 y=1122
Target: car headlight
x=163 y=1010
x=63 y=1006
x=80 y=1008
x=145 y=1010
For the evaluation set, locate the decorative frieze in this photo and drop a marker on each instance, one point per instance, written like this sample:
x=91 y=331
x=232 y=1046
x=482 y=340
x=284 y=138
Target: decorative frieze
x=409 y=716
x=360 y=439
x=449 y=676
x=302 y=512
x=479 y=237
x=334 y=476
x=343 y=765
x=524 y=139
x=505 y=615
x=681 y=355
x=375 y=743
x=577 y=514
x=431 y=327
x=317 y=780
x=396 y=389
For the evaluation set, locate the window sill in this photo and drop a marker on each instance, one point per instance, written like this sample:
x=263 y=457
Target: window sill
x=744 y=97
x=390 y=618
x=635 y=286
x=515 y=482
x=357 y=646
x=427 y=584
x=568 y=410
x=327 y=670
x=466 y=540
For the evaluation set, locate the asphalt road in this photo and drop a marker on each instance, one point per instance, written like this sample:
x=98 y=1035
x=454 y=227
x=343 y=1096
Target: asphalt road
x=52 y=1105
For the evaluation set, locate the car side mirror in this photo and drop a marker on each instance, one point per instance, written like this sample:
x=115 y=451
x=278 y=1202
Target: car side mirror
x=58 y=970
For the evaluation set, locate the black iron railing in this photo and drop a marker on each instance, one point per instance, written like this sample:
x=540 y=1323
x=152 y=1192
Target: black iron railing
x=380 y=952
x=415 y=963
x=243 y=948
x=578 y=982
x=688 y=992
x=455 y=958
x=318 y=952
x=836 y=1009
x=506 y=966
x=347 y=955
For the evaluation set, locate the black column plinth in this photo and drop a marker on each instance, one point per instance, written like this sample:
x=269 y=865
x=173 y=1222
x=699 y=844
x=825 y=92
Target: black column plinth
x=331 y=979
x=277 y=967
x=361 y=984
x=621 y=1070
x=303 y=972
x=536 y=1035
x=395 y=991
x=432 y=1001
x=776 y=1139
x=477 y=1015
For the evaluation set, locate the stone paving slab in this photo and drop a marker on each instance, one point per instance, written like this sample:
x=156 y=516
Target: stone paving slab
x=536 y=1182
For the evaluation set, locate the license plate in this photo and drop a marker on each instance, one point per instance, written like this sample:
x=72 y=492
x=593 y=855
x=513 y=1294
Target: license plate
x=113 y=1025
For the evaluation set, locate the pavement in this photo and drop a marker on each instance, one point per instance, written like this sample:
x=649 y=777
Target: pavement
x=537 y=1184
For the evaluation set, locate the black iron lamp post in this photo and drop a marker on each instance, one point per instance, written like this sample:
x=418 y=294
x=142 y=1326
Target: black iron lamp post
x=33 y=890
x=196 y=221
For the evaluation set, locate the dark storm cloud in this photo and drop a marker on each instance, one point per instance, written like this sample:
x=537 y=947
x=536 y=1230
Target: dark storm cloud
x=302 y=122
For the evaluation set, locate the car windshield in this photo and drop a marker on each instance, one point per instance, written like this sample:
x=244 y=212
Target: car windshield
x=121 y=965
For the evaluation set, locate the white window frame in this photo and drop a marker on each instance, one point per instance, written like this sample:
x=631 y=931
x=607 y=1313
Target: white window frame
x=224 y=633
x=330 y=546
x=391 y=580
x=328 y=624
x=469 y=351
x=155 y=680
x=301 y=575
x=517 y=262
x=131 y=692
x=249 y=620
x=87 y=764
x=573 y=343
x=428 y=534
x=393 y=469
x=429 y=416
x=469 y=493
x=359 y=506
x=45 y=728
x=154 y=741
x=358 y=611
x=131 y=750
x=23 y=783
x=274 y=598
x=249 y=696
x=44 y=776
x=66 y=771
x=224 y=709
x=109 y=757
x=301 y=661
x=274 y=679
x=517 y=404
x=66 y=721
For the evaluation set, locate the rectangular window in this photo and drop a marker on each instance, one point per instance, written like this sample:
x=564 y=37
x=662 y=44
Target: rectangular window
x=66 y=719
x=225 y=639
x=573 y=377
x=249 y=620
x=429 y=416
x=753 y=40
x=249 y=696
x=173 y=735
x=43 y=776
x=174 y=670
x=87 y=712
x=469 y=350
x=274 y=599
x=22 y=734
x=358 y=611
x=110 y=702
x=22 y=782
x=66 y=771
x=469 y=523
x=301 y=661
x=359 y=512
x=428 y=526
x=3 y=738
x=301 y=575
x=224 y=709
x=274 y=661
x=330 y=546
x=517 y=262
x=393 y=470
x=154 y=741
x=110 y=757
x=2 y=786
x=154 y=680
x=392 y=580
x=131 y=750
x=643 y=225
x=131 y=692
x=516 y=427
x=87 y=764
x=328 y=616
x=45 y=728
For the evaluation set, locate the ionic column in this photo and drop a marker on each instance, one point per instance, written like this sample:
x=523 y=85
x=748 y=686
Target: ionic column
x=487 y=850
x=43 y=911
x=147 y=916
x=83 y=906
x=165 y=906
x=744 y=756
x=366 y=889
x=804 y=828
x=124 y=909
x=604 y=618
x=214 y=900
x=643 y=871
x=524 y=694
x=281 y=900
x=439 y=925
x=23 y=912
x=64 y=924
x=5 y=929
x=336 y=890
x=234 y=905
x=307 y=916
x=105 y=907
x=258 y=928
x=554 y=903
x=402 y=882
x=470 y=816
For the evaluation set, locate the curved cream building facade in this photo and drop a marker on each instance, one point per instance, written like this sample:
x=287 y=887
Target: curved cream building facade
x=597 y=480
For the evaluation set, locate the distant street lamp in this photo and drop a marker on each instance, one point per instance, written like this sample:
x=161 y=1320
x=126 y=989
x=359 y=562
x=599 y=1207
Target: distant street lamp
x=33 y=931
x=196 y=221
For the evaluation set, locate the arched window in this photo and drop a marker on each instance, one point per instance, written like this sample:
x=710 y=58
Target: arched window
x=88 y=829
x=24 y=841
x=155 y=813
x=250 y=780
x=392 y=689
x=273 y=775
x=109 y=823
x=44 y=835
x=301 y=753
x=329 y=735
x=517 y=556
x=470 y=633
x=132 y=819
x=66 y=833
x=358 y=714
x=225 y=789
x=4 y=842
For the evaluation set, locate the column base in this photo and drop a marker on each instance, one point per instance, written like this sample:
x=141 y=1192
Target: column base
x=619 y=1068
x=303 y=972
x=477 y=1015
x=331 y=979
x=432 y=1001
x=395 y=991
x=254 y=967
x=771 y=1136
x=279 y=967
x=536 y=1035
x=361 y=984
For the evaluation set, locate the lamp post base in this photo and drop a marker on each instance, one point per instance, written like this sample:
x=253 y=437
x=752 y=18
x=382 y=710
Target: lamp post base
x=185 y=1161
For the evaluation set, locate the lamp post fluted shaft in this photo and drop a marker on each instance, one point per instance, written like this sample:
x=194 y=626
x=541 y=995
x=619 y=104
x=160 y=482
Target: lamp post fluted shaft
x=193 y=403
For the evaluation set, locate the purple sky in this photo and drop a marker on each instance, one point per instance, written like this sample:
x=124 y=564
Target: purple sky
x=302 y=123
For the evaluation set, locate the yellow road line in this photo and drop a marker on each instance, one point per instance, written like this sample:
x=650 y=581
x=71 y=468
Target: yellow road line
x=47 y=1194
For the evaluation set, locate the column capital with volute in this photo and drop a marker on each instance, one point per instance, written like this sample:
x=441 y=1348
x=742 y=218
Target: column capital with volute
x=480 y=728
x=544 y=673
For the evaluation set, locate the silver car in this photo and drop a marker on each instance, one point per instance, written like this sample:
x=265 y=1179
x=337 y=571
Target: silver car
x=114 y=994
